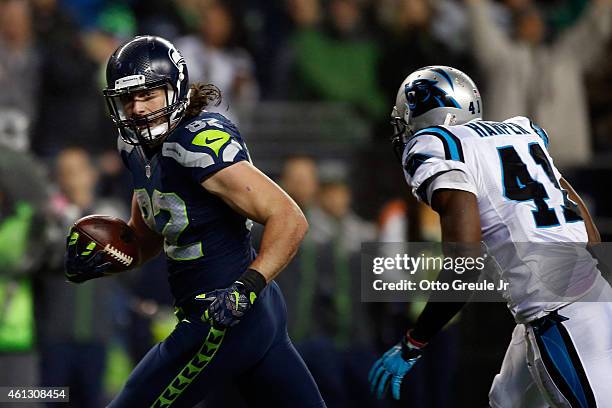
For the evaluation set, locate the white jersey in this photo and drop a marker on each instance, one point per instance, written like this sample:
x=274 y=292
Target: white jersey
x=507 y=166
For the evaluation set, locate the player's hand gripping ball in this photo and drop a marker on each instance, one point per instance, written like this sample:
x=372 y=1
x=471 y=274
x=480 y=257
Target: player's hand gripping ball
x=99 y=245
x=390 y=369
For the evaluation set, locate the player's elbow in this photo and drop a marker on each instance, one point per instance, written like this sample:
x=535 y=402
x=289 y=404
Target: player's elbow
x=304 y=225
x=299 y=222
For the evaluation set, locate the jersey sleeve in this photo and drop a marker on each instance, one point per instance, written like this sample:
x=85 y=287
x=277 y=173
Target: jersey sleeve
x=434 y=159
x=207 y=146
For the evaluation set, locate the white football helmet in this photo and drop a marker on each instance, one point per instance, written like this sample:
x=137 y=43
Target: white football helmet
x=430 y=96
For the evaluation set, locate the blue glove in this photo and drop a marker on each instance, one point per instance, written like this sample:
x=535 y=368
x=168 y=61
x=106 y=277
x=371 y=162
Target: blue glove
x=80 y=267
x=390 y=369
x=229 y=305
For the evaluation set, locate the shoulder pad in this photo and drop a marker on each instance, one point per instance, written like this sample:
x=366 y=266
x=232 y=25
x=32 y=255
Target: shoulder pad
x=208 y=132
x=450 y=143
x=206 y=141
x=531 y=126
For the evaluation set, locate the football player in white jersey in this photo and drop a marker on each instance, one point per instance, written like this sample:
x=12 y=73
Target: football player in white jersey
x=494 y=182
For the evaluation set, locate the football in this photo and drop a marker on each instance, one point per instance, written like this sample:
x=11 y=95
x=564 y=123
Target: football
x=111 y=235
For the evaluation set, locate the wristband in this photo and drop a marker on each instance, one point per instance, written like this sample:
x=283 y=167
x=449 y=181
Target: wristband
x=412 y=343
x=253 y=281
x=411 y=348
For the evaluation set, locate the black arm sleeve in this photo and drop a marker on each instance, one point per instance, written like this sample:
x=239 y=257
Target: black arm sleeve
x=433 y=318
x=438 y=312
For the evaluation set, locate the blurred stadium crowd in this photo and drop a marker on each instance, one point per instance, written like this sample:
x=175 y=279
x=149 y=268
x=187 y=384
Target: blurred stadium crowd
x=311 y=84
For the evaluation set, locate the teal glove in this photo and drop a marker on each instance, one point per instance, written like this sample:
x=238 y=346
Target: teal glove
x=390 y=369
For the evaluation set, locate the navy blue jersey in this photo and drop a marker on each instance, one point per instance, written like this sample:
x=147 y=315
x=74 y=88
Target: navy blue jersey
x=207 y=244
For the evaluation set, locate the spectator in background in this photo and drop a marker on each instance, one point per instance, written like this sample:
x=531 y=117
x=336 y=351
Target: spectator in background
x=112 y=180
x=300 y=179
x=161 y=17
x=71 y=112
x=19 y=73
x=115 y=25
x=214 y=56
x=332 y=58
x=599 y=90
x=410 y=41
x=266 y=26
x=75 y=321
x=526 y=76
x=330 y=325
x=333 y=219
x=84 y=12
x=433 y=385
x=23 y=250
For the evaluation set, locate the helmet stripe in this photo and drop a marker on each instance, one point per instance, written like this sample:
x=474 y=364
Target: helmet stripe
x=445 y=75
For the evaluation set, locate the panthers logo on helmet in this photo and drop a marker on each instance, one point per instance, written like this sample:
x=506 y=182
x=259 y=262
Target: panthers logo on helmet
x=423 y=95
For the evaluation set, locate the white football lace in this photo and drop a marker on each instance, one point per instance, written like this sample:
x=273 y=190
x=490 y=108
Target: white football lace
x=118 y=255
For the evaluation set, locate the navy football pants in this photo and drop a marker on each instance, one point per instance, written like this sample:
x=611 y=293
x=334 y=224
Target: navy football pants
x=255 y=356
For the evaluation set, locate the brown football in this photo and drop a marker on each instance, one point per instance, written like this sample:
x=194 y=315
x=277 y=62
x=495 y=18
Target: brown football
x=111 y=235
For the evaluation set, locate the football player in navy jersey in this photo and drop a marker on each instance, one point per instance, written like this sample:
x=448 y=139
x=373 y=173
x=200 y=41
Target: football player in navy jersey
x=195 y=194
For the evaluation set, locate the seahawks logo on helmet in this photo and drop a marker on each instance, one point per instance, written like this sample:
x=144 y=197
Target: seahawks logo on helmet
x=423 y=95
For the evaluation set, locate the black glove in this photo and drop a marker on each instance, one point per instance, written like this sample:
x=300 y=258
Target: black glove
x=86 y=265
x=229 y=305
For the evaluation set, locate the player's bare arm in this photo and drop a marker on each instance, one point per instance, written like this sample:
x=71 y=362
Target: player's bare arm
x=592 y=232
x=151 y=243
x=251 y=193
x=460 y=223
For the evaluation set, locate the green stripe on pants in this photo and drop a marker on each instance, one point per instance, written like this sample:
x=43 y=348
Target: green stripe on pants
x=192 y=369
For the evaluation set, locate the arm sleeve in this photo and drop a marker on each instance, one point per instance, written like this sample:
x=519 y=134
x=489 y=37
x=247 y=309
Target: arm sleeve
x=450 y=180
x=207 y=152
x=437 y=313
x=433 y=318
x=432 y=154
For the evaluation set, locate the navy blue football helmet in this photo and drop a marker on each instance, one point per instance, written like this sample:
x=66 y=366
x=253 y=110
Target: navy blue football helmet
x=145 y=63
